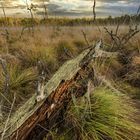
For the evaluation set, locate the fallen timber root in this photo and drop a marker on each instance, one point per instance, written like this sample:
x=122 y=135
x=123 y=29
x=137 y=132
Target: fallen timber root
x=33 y=120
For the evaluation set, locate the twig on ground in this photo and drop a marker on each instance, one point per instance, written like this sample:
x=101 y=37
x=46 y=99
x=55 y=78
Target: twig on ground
x=6 y=83
x=6 y=124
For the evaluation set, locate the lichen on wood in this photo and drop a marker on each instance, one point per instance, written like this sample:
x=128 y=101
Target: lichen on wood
x=26 y=112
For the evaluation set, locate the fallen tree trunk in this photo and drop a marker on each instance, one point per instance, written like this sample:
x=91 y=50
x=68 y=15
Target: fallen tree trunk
x=25 y=122
x=34 y=119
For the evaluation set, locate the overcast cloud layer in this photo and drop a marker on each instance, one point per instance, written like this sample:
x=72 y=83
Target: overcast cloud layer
x=72 y=8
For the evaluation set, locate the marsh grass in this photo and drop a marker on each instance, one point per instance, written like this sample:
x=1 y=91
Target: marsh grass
x=21 y=83
x=53 y=50
x=108 y=117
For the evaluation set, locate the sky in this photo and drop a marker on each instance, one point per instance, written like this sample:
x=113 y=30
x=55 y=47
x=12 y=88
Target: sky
x=71 y=8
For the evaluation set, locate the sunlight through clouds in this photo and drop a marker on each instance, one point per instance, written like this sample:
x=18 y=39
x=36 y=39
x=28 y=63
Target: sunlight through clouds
x=74 y=7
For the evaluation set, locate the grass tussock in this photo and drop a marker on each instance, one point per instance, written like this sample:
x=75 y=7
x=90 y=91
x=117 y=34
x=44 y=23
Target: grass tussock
x=20 y=82
x=108 y=116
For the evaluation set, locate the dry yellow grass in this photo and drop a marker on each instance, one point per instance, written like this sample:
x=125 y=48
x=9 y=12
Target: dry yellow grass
x=52 y=46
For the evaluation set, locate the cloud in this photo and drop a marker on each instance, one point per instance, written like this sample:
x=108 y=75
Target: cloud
x=75 y=7
x=103 y=7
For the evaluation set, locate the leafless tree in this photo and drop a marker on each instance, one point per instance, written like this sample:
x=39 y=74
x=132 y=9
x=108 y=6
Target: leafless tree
x=3 y=62
x=30 y=8
x=94 y=12
x=121 y=41
x=94 y=16
x=45 y=10
x=94 y=21
x=6 y=33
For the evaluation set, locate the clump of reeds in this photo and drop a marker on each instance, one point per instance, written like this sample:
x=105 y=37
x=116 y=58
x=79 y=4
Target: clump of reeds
x=108 y=116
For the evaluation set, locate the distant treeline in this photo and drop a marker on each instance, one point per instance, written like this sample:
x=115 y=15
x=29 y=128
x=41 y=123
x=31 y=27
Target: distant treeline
x=126 y=19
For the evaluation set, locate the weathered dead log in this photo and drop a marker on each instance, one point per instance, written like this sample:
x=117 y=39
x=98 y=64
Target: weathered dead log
x=34 y=119
x=58 y=90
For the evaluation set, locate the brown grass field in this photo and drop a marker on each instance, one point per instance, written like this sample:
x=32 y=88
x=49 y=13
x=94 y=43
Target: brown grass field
x=54 y=45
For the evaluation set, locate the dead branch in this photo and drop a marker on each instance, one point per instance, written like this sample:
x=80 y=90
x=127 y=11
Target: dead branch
x=5 y=24
x=22 y=32
x=8 y=118
x=45 y=11
x=30 y=9
x=94 y=16
x=85 y=37
x=6 y=75
x=6 y=34
x=94 y=12
x=6 y=83
x=41 y=81
x=121 y=41
x=94 y=20
x=114 y=37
